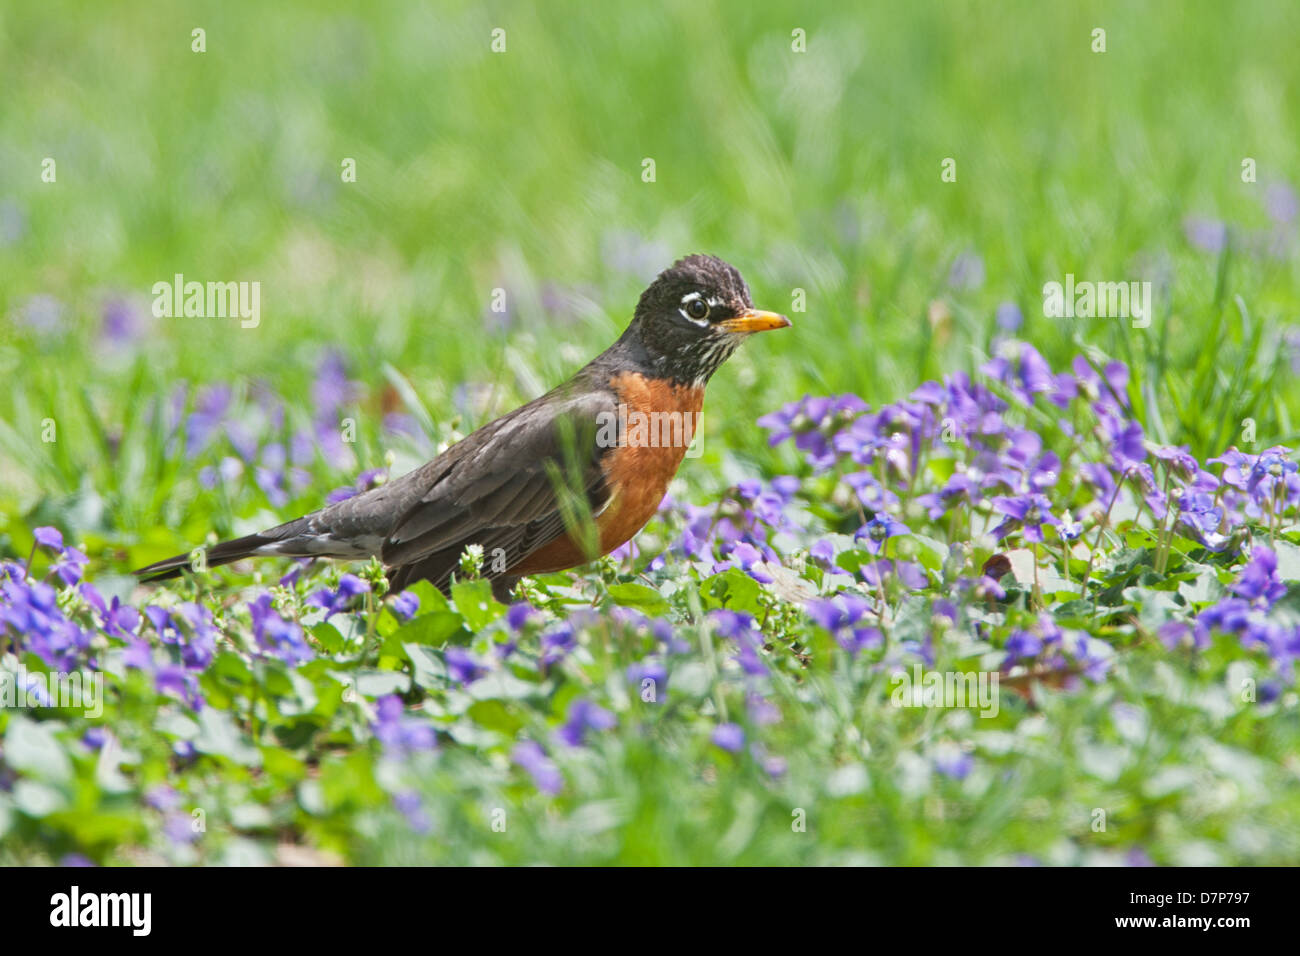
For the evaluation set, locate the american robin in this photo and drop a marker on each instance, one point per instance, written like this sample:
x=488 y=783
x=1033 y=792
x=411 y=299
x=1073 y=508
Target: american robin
x=557 y=482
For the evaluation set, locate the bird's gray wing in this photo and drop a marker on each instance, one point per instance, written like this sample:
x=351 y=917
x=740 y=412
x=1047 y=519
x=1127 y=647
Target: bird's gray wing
x=501 y=487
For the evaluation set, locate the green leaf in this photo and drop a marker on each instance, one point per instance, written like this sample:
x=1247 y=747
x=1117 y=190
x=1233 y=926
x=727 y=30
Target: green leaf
x=349 y=780
x=503 y=685
x=494 y=715
x=377 y=683
x=220 y=737
x=437 y=629
x=475 y=602
x=33 y=748
x=1203 y=588
x=640 y=596
x=428 y=669
x=38 y=799
x=853 y=559
x=175 y=724
x=1288 y=560
x=431 y=599
x=283 y=765
x=250 y=816
x=331 y=641
x=733 y=589
x=231 y=667
x=929 y=552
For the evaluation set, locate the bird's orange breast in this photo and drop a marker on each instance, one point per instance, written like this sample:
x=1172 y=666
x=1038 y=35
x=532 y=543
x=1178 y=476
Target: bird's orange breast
x=656 y=423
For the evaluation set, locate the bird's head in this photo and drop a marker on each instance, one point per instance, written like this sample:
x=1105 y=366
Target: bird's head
x=694 y=315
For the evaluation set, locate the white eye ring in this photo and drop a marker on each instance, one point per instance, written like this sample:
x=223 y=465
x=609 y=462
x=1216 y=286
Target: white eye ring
x=687 y=302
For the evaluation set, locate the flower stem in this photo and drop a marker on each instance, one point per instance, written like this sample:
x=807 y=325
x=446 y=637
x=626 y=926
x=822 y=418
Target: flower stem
x=1101 y=528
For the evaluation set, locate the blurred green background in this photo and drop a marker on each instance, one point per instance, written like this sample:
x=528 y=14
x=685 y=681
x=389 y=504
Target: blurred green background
x=522 y=170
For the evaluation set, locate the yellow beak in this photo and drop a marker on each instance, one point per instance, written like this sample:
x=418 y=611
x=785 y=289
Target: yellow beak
x=755 y=321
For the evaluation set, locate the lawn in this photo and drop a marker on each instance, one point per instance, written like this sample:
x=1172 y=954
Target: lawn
x=932 y=478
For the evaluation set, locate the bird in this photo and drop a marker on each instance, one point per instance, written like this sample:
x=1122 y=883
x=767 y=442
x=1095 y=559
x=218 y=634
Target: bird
x=568 y=477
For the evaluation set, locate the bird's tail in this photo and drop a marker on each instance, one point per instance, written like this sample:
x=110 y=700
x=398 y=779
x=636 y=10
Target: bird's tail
x=217 y=555
x=292 y=539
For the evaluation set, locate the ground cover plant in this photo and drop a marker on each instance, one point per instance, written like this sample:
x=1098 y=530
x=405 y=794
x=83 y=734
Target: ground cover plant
x=954 y=578
x=756 y=666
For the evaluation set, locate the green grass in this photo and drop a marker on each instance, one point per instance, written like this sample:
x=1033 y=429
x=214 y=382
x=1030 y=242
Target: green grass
x=817 y=171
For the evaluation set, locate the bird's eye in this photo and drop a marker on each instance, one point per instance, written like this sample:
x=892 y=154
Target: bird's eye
x=697 y=309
